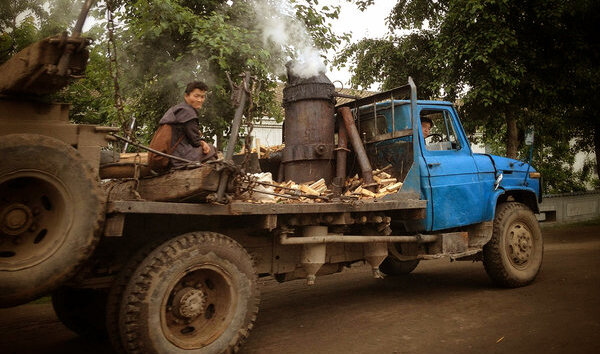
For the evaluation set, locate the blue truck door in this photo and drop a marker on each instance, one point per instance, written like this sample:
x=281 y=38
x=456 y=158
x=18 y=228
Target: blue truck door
x=453 y=176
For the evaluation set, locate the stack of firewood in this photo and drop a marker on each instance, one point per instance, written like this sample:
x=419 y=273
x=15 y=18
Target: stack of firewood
x=354 y=188
x=315 y=189
x=264 y=152
x=385 y=184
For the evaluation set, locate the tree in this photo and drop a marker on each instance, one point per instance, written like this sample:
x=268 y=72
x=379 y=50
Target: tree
x=511 y=63
x=162 y=45
x=17 y=25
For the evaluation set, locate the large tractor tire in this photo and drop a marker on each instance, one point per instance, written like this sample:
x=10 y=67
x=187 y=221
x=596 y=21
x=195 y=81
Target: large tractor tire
x=82 y=310
x=392 y=266
x=513 y=257
x=196 y=293
x=51 y=215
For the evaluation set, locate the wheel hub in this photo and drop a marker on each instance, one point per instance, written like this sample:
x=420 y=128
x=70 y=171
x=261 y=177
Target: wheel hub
x=520 y=244
x=189 y=303
x=15 y=219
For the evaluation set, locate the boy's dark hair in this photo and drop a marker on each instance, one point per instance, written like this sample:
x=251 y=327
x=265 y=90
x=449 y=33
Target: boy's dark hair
x=427 y=120
x=195 y=85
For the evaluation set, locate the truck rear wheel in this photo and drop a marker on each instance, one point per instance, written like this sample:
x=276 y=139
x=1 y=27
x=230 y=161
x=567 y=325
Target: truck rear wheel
x=513 y=257
x=81 y=310
x=51 y=213
x=196 y=293
x=393 y=266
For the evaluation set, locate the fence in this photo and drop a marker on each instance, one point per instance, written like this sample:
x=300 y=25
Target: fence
x=570 y=207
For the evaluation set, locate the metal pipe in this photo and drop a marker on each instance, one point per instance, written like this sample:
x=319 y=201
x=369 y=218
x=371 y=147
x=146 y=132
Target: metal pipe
x=154 y=151
x=65 y=59
x=341 y=153
x=235 y=127
x=336 y=238
x=361 y=155
x=340 y=160
x=237 y=118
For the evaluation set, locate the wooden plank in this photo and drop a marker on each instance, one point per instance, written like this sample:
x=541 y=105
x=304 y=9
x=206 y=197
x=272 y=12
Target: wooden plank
x=142 y=207
x=113 y=226
x=244 y=208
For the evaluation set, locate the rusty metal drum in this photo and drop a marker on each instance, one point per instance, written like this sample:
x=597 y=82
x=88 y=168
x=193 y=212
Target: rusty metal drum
x=309 y=128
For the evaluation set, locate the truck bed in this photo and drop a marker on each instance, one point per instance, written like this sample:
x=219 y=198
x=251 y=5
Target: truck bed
x=402 y=202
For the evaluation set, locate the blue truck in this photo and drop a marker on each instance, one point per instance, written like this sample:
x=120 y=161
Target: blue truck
x=157 y=267
x=493 y=199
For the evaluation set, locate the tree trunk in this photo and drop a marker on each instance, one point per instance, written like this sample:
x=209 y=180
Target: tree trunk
x=597 y=147
x=512 y=137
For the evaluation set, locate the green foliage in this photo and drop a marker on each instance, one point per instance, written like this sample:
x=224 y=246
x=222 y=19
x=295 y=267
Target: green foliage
x=511 y=64
x=378 y=60
x=161 y=46
x=18 y=26
x=25 y=22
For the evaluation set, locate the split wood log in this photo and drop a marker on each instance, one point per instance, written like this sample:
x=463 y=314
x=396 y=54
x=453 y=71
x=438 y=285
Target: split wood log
x=130 y=157
x=172 y=186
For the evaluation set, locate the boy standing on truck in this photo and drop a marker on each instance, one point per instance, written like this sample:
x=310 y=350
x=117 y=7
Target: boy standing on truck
x=186 y=138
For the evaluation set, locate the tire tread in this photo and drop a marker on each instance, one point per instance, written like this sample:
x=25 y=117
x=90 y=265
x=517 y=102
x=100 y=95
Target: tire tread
x=165 y=254
x=492 y=258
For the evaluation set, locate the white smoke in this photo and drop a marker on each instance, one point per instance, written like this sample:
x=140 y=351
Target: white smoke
x=282 y=31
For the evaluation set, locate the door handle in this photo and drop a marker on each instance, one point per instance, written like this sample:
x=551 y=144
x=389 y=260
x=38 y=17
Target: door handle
x=433 y=164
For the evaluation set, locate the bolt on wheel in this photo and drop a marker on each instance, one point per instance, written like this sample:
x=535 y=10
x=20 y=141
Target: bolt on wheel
x=199 y=307
x=196 y=292
x=51 y=215
x=519 y=244
x=35 y=210
x=513 y=256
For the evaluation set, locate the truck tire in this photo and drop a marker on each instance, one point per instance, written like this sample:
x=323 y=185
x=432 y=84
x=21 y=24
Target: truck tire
x=82 y=310
x=115 y=294
x=196 y=293
x=51 y=215
x=393 y=266
x=513 y=257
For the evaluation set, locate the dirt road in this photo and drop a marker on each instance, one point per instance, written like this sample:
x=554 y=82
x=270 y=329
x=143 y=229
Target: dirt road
x=441 y=307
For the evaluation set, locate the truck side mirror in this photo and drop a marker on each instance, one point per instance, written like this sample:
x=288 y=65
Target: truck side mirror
x=529 y=136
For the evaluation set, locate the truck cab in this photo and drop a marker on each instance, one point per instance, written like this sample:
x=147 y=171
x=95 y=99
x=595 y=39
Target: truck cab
x=461 y=187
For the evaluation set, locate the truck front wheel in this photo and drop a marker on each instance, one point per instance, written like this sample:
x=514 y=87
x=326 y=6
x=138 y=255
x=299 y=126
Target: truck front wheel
x=513 y=257
x=196 y=293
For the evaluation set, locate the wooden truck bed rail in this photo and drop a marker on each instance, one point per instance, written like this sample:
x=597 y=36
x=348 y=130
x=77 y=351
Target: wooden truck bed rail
x=246 y=208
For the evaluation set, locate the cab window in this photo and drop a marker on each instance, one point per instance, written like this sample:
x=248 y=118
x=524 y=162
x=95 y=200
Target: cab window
x=371 y=127
x=442 y=135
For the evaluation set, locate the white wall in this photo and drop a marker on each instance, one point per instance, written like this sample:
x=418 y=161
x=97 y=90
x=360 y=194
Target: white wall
x=268 y=131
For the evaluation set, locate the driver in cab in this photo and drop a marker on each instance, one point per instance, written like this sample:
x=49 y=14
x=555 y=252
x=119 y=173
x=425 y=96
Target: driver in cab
x=426 y=125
